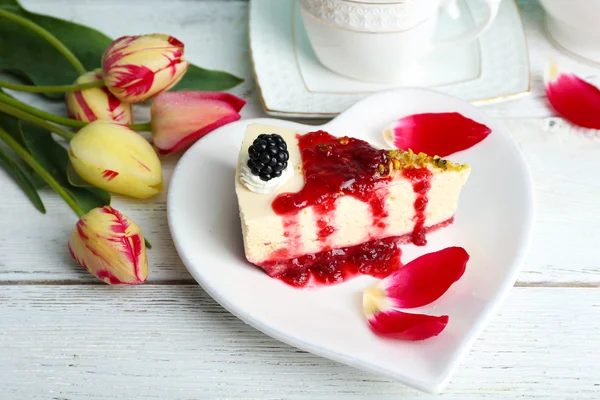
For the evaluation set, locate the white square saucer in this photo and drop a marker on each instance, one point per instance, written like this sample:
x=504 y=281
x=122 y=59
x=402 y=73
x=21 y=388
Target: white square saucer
x=292 y=82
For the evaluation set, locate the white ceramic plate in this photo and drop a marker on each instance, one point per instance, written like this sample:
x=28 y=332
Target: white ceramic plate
x=493 y=224
x=292 y=82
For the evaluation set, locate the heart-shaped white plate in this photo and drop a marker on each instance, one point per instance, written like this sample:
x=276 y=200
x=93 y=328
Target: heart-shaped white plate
x=493 y=223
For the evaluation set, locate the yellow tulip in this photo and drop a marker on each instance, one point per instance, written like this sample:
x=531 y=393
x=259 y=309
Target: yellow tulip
x=96 y=103
x=110 y=246
x=113 y=157
x=136 y=68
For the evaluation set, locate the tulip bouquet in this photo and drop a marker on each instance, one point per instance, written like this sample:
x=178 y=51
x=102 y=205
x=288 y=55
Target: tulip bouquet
x=105 y=153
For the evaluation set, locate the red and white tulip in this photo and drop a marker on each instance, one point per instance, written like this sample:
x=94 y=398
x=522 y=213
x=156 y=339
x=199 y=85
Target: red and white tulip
x=137 y=68
x=572 y=98
x=110 y=246
x=179 y=119
x=113 y=157
x=418 y=283
x=96 y=103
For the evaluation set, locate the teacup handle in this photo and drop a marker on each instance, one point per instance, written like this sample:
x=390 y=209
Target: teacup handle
x=451 y=7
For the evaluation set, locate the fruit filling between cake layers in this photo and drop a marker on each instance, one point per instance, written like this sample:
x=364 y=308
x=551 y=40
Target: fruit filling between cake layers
x=348 y=209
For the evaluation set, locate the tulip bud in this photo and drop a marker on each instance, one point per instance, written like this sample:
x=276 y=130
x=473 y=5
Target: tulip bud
x=137 y=68
x=96 y=103
x=110 y=246
x=178 y=119
x=115 y=158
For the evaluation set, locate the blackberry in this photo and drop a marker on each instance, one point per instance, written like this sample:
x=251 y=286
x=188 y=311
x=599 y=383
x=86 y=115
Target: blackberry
x=268 y=156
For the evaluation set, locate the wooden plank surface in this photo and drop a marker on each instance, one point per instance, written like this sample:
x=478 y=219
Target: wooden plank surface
x=175 y=342
x=64 y=335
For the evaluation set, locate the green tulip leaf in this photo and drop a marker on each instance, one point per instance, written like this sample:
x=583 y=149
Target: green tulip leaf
x=30 y=58
x=55 y=159
x=74 y=178
x=23 y=178
x=76 y=181
x=11 y=126
x=89 y=198
x=197 y=78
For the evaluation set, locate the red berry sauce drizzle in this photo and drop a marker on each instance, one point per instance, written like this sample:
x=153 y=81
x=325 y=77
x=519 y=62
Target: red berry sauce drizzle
x=334 y=167
x=421 y=182
x=377 y=258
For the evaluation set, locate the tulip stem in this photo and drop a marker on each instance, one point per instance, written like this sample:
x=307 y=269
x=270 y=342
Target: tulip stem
x=143 y=126
x=38 y=116
x=45 y=175
x=51 y=89
x=6 y=99
x=15 y=112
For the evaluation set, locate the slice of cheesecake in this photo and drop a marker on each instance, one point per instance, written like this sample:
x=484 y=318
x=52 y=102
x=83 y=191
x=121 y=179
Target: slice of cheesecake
x=340 y=207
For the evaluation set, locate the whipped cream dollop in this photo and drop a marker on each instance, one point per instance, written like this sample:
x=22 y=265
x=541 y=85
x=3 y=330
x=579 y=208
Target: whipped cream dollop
x=255 y=184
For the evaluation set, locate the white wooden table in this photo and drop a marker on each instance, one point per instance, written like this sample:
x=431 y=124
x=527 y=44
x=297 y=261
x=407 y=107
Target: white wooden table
x=65 y=335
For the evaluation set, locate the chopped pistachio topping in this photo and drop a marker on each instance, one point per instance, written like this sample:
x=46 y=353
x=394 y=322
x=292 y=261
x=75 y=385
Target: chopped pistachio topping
x=324 y=147
x=399 y=159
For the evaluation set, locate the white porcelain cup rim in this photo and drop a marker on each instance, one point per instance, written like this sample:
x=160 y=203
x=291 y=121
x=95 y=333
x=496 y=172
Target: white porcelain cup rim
x=369 y=15
x=382 y=41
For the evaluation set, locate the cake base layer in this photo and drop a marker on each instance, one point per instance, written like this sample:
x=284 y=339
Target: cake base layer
x=377 y=258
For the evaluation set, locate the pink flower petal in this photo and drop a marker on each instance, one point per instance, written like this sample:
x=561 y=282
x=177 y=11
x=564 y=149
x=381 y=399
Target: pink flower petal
x=424 y=279
x=400 y=325
x=436 y=134
x=179 y=119
x=572 y=98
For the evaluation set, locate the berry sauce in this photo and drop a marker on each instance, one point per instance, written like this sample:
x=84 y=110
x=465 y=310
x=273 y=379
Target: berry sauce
x=421 y=182
x=335 y=167
x=323 y=216
x=377 y=258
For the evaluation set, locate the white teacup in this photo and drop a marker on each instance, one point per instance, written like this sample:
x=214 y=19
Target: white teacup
x=380 y=40
x=575 y=25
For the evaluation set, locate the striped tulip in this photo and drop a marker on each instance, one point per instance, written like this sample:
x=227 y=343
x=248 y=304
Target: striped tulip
x=96 y=103
x=110 y=246
x=136 y=68
x=115 y=158
x=178 y=119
